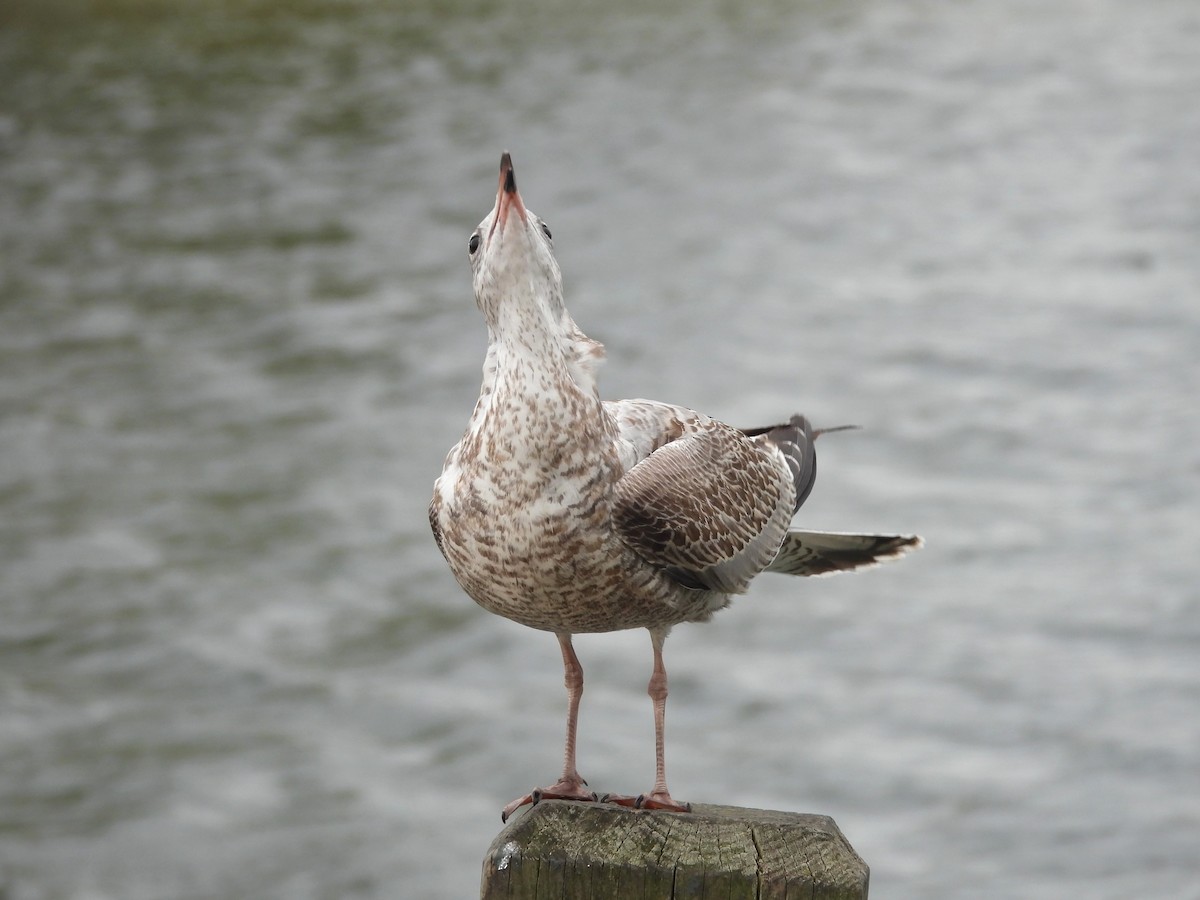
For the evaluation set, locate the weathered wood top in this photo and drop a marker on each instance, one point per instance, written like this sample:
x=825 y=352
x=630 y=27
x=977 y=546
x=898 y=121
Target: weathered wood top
x=571 y=851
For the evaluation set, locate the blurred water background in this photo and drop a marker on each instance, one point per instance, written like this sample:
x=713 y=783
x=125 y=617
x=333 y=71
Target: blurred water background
x=237 y=337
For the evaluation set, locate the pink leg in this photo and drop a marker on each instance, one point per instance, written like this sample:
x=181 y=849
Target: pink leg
x=570 y=785
x=573 y=679
x=659 y=797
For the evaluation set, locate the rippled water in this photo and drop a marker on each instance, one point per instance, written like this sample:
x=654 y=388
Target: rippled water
x=237 y=337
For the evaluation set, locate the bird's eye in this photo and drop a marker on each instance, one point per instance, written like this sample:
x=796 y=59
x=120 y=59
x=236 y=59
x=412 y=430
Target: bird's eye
x=546 y=231
x=473 y=244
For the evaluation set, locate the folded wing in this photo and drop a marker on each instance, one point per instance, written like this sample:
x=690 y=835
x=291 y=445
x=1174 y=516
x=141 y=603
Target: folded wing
x=710 y=505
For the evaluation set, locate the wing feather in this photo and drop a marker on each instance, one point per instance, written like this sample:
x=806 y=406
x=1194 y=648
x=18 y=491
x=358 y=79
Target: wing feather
x=710 y=506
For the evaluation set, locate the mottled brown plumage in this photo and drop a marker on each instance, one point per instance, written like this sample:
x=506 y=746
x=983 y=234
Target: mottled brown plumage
x=570 y=514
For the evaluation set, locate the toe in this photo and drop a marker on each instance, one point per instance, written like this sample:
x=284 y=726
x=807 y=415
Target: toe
x=661 y=800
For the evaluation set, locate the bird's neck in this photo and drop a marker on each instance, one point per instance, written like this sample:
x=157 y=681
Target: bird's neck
x=533 y=417
x=539 y=342
x=525 y=337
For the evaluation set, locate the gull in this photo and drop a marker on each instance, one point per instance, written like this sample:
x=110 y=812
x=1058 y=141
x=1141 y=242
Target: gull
x=571 y=514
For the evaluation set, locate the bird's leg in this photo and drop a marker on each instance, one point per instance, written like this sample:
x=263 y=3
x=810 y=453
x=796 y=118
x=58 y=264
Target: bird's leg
x=573 y=679
x=570 y=785
x=659 y=797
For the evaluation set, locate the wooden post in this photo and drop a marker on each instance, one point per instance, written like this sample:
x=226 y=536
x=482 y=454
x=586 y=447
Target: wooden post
x=598 y=851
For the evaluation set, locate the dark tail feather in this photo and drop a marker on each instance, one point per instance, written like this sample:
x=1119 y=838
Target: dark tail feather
x=795 y=439
x=821 y=552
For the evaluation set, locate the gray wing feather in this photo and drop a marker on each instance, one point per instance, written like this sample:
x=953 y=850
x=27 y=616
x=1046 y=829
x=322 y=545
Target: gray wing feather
x=822 y=552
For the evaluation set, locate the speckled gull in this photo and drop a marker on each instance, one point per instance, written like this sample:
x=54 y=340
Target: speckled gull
x=570 y=514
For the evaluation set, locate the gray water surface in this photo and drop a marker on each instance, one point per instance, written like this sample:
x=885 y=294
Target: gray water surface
x=237 y=337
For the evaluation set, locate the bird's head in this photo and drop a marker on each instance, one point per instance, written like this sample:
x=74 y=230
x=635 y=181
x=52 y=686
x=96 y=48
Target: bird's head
x=517 y=280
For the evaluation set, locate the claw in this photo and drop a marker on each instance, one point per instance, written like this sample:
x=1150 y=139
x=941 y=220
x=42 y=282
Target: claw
x=653 y=800
x=661 y=801
x=564 y=790
x=620 y=800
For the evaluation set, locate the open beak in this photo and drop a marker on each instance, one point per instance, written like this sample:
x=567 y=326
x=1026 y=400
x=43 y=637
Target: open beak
x=507 y=197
